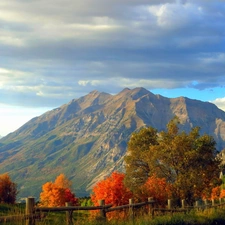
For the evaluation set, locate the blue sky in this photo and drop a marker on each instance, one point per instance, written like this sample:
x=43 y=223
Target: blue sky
x=53 y=51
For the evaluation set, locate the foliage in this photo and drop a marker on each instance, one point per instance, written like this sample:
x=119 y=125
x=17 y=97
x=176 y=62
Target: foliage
x=85 y=201
x=157 y=188
x=137 y=168
x=57 y=193
x=222 y=193
x=215 y=193
x=186 y=160
x=113 y=191
x=8 y=189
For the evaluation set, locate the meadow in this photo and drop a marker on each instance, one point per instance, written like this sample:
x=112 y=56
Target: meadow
x=207 y=216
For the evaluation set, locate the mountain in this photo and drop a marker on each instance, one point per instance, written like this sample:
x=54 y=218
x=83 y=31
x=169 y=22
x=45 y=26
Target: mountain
x=87 y=138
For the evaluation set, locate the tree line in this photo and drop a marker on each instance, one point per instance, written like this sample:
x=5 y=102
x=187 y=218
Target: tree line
x=167 y=164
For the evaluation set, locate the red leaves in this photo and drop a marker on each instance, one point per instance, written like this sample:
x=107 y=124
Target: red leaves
x=112 y=190
x=57 y=193
x=157 y=188
x=70 y=197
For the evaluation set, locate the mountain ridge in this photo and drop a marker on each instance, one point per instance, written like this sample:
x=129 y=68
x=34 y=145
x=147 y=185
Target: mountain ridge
x=87 y=138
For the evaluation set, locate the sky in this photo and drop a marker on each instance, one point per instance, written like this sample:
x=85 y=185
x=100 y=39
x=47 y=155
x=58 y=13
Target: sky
x=52 y=51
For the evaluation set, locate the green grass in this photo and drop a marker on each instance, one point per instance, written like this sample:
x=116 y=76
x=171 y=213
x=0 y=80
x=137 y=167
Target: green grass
x=206 y=217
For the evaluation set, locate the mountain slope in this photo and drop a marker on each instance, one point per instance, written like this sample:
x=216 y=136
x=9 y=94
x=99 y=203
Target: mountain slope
x=86 y=139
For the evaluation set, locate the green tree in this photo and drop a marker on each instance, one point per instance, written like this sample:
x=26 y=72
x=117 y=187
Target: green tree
x=187 y=160
x=137 y=168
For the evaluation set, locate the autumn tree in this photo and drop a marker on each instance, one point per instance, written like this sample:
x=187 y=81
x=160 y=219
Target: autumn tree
x=113 y=191
x=57 y=193
x=8 y=189
x=186 y=160
x=155 y=187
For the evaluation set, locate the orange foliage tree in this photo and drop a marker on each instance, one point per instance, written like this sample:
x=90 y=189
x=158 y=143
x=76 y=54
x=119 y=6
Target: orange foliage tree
x=112 y=190
x=8 y=189
x=57 y=193
x=157 y=188
x=222 y=193
x=215 y=194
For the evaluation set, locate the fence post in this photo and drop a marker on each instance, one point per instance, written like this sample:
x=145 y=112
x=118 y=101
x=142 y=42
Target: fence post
x=213 y=202
x=102 y=211
x=69 y=214
x=206 y=203
x=30 y=202
x=183 y=203
x=197 y=204
x=131 y=209
x=169 y=203
x=150 y=205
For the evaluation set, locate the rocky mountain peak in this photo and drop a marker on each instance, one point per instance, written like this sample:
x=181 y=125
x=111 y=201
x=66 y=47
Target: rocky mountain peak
x=87 y=138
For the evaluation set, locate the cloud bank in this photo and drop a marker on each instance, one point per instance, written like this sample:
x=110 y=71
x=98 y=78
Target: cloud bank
x=53 y=51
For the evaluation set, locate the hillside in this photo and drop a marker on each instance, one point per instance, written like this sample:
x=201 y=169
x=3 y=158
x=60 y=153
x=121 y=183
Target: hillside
x=86 y=139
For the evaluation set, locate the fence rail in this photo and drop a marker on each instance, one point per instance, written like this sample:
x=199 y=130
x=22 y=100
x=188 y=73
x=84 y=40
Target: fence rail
x=33 y=212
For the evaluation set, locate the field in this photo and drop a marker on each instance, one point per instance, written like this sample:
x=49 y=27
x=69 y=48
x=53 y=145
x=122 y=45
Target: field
x=210 y=216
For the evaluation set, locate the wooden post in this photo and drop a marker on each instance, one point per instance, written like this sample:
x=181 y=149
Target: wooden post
x=197 y=204
x=131 y=209
x=150 y=205
x=69 y=215
x=213 y=202
x=169 y=203
x=30 y=202
x=183 y=203
x=102 y=211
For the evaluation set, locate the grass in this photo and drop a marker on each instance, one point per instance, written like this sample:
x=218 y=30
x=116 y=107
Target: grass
x=194 y=217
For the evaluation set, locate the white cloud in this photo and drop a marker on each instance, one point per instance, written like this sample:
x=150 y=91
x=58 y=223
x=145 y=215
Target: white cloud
x=220 y=103
x=175 y=16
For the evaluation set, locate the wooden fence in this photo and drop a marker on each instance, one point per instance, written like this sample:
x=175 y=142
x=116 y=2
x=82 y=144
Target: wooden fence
x=33 y=212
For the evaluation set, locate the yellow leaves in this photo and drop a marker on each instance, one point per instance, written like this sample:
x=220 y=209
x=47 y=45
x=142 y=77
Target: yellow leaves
x=187 y=160
x=62 y=182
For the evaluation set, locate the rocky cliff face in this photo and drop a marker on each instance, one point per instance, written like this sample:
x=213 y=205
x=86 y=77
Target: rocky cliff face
x=87 y=138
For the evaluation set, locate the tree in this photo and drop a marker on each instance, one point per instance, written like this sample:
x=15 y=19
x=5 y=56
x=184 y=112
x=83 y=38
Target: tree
x=157 y=188
x=57 y=193
x=8 y=189
x=137 y=168
x=112 y=190
x=62 y=182
x=186 y=160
